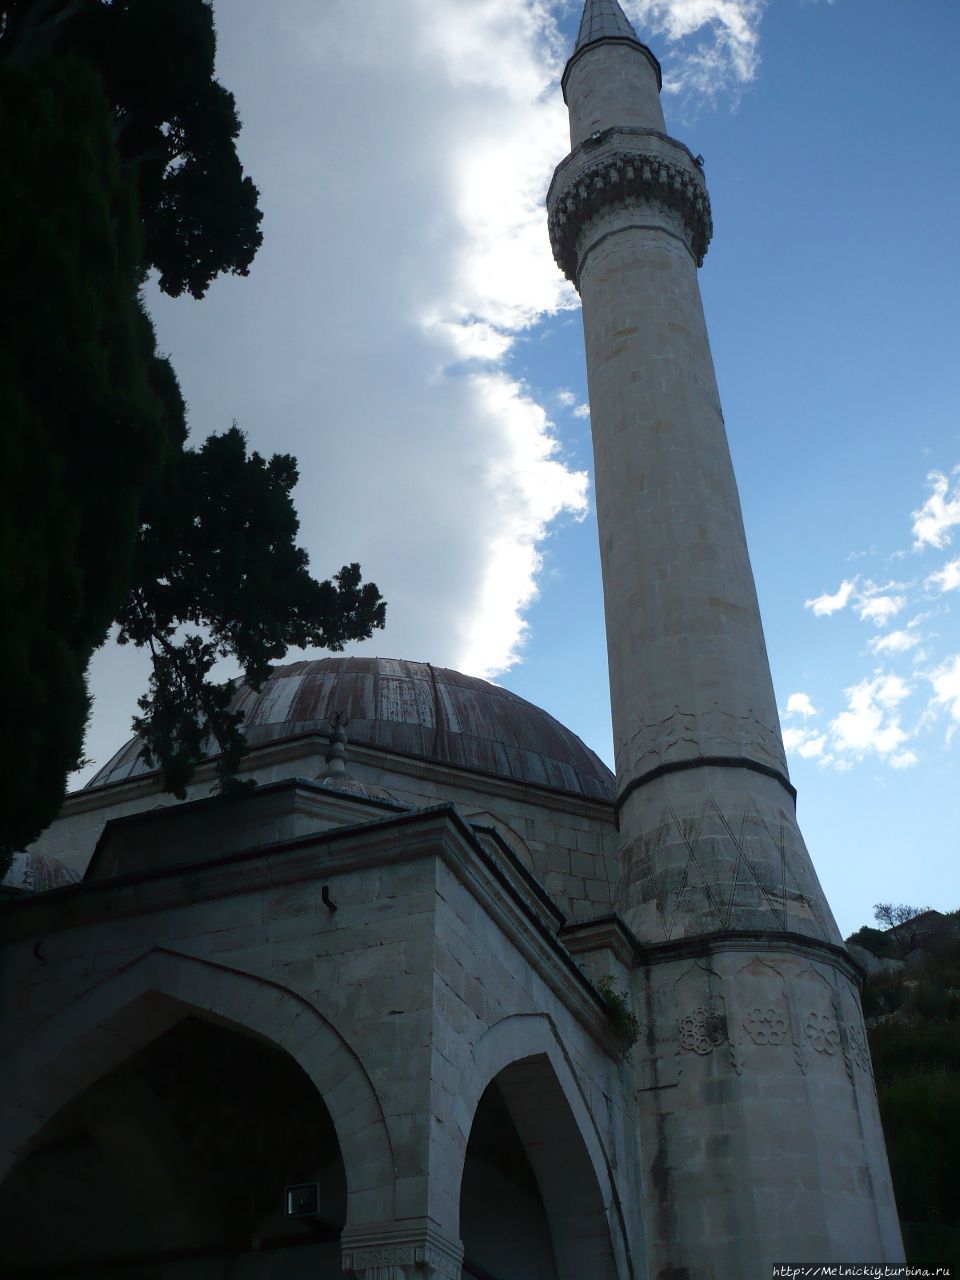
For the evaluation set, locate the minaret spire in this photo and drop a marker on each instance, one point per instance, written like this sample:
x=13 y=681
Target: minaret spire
x=752 y=1083
x=603 y=20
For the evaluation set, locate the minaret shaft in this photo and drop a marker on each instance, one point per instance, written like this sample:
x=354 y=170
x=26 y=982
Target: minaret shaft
x=682 y=615
x=709 y=838
x=627 y=95
x=759 y=1132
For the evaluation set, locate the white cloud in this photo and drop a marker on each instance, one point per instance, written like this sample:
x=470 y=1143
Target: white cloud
x=826 y=604
x=532 y=487
x=402 y=165
x=806 y=743
x=880 y=609
x=946 y=687
x=719 y=41
x=568 y=400
x=471 y=339
x=895 y=642
x=933 y=523
x=799 y=704
x=947 y=578
x=904 y=760
x=871 y=723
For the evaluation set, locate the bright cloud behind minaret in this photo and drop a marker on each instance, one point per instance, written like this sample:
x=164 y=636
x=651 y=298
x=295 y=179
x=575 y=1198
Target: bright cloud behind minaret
x=406 y=334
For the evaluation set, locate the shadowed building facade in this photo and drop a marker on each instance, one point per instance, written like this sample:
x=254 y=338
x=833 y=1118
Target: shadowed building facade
x=373 y=1017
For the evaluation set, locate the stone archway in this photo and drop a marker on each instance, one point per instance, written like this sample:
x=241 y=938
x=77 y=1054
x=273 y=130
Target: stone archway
x=109 y=1022
x=175 y=1164
x=521 y=1072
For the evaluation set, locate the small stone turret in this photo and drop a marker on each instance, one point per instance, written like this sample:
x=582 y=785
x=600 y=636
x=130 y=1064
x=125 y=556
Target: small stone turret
x=760 y=1136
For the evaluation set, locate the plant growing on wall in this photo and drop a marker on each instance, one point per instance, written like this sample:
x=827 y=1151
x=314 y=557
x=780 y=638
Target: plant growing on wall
x=626 y=1028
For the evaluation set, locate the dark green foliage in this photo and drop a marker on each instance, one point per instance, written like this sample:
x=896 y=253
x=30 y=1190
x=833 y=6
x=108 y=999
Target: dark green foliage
x=942 y=945
x=899 y=1047
x=218 y=552
x=118 y=155
x=921 y=1119
x=883 y=993
x=876 y=941
x=913 y=1022
x=174 y=125
x=922 y=1109
x=89 y=414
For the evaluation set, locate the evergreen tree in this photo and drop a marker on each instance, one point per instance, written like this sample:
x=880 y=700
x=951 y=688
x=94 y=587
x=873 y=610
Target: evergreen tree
x=112 y=164
x=217 y=551
x=174 y=125
x=89 y=417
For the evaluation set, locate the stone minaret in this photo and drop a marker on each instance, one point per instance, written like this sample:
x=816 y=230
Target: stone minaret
x=761 y=1139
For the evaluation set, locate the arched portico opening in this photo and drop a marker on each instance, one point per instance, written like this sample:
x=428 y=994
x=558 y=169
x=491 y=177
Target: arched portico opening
x=531 y=1207
x=175 y=1163
x=46 y=1070
x=503 y=1222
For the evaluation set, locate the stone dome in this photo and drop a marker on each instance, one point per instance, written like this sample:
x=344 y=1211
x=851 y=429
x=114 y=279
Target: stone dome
x=413 y=709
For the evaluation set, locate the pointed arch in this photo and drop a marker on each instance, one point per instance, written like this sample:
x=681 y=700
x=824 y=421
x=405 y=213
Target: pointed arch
x=524 y=1056
x=110 y=1021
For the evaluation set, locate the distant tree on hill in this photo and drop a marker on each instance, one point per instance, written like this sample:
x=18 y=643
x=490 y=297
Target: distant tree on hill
x=118 y=156
x=903 y=922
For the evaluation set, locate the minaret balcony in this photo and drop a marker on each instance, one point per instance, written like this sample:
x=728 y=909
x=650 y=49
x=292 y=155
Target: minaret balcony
x=622 y=168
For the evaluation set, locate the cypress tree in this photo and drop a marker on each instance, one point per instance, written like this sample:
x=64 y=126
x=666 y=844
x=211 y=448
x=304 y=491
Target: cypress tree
x=90 y=416
x=118 y=156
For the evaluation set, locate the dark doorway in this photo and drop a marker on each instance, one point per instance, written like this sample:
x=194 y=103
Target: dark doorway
x=174 y=1165
x=503 y=1223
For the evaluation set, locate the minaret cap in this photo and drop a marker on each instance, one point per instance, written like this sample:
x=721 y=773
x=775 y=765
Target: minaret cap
x=605 y=20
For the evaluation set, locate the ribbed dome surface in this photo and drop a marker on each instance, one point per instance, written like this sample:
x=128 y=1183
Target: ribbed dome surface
x=414 y=709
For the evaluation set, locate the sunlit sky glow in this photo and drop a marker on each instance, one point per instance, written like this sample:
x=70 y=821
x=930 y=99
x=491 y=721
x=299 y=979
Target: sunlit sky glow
x=406 y=334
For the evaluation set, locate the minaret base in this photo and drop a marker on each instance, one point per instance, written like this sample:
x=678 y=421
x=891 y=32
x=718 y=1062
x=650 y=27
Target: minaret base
x=760 y=1132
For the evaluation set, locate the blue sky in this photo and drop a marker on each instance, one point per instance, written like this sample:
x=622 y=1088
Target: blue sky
x=404 y=333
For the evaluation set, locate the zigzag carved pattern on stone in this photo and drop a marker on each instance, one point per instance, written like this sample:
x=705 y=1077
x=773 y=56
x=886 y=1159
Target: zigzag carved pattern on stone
x=648 y=873
x=692 y=860
x=743 y=860
x=721 y=895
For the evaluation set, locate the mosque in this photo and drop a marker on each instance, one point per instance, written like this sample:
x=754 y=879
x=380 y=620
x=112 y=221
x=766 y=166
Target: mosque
x=443 y=997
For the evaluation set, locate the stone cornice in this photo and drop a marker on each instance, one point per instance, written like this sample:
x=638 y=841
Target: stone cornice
x=611 y=932
x=625 y=168
x=601 y=933
x=756 y=940
x=280 y=750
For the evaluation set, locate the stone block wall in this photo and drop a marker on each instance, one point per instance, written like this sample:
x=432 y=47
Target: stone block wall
x=760 y=1128
x=428 y=980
